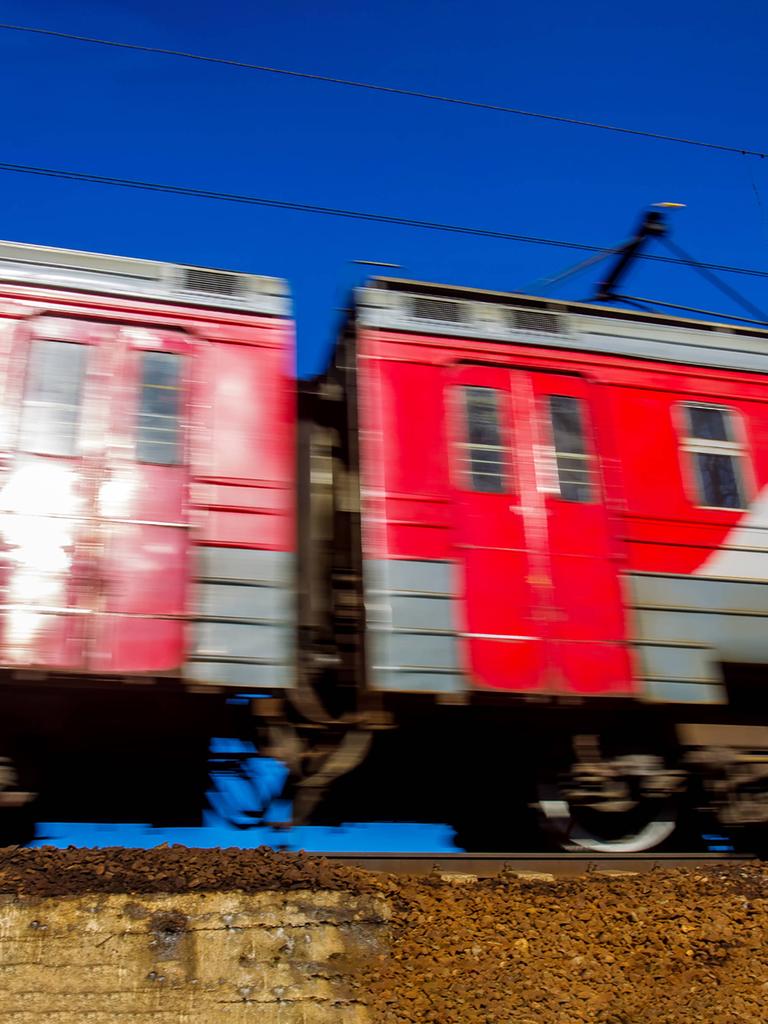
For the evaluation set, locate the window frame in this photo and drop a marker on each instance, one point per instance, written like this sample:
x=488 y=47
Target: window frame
x=589 y=456
x=180 y=417
x=461 y=464
x=738 y=448
x=81 y=407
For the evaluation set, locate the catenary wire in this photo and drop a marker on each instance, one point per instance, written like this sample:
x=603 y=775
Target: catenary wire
x=391 y=89
x=364 y=215
x=714 y=280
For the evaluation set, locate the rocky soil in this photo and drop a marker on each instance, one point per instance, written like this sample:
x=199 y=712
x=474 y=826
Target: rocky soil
x=671 y=947
x=48 y=871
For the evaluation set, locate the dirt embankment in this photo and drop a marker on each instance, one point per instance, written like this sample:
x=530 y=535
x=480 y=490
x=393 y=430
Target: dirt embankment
x=671 y=947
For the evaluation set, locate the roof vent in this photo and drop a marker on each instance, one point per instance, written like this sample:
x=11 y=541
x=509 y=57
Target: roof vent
x=210 y=282
x=534 y=320
x=438 y=309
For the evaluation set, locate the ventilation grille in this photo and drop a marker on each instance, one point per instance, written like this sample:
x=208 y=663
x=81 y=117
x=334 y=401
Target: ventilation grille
x=210 y=282
x=533 y=320
x=438 y=309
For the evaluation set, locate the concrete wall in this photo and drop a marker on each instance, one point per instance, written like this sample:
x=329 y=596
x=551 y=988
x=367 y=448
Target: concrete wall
x=271 y=958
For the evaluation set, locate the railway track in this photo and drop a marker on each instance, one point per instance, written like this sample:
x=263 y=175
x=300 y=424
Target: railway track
x=557 y=865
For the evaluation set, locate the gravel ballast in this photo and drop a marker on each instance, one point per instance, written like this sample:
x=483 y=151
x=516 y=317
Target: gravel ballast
x=681 y=946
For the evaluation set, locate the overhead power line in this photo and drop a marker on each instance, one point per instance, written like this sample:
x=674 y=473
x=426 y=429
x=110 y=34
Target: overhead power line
x=713 y=279
x=391 y=89
x=364 y=215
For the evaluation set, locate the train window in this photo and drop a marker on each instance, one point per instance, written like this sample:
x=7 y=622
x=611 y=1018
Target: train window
x=158 y=434
x=482 y=454
x=571 y=455
x=717 y=455
x=50 y=416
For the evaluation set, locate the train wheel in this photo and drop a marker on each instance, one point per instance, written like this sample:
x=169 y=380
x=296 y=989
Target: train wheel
x=643 y=828
x=615 y=801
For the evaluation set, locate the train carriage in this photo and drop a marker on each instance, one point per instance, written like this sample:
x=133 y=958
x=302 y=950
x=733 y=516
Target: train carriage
x=524 y=539
x=554 y=512
x=147 y=499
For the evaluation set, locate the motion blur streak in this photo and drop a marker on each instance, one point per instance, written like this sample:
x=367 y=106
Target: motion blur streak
x=38 y=503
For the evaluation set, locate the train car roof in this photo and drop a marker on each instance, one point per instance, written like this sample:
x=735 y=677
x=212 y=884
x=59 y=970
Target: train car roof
x=99 y=273
x=421 y=308
x=562 y=306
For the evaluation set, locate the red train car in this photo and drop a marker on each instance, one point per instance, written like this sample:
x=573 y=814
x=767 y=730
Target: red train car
x=147 y=474
x=552 y=515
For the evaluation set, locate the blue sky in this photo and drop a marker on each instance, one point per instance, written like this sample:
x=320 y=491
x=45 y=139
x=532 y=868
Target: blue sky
x=685 y=68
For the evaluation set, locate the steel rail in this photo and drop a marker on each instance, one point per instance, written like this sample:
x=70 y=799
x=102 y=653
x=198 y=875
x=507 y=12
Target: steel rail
x=557 y=865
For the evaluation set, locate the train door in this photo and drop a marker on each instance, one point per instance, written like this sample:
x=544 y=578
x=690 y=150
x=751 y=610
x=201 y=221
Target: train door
x=142 y=508
x=500 y=529
x=47 y=490
x=542 y=596
x=92 y=498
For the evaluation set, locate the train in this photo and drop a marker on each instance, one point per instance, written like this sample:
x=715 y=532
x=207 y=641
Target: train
x=512 y=551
